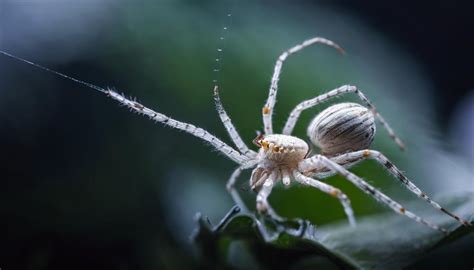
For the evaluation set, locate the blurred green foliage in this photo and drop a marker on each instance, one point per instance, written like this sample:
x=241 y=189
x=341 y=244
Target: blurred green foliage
x=304 y=246
x=100 y=178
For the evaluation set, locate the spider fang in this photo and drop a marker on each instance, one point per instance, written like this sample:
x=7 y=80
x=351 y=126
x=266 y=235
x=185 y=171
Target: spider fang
x=258 y=140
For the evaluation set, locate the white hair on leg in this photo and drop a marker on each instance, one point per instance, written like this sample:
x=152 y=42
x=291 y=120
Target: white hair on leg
x=295 y=113
x=231 y=130
x=367 y=188
x=346 y=204
x=231 y=185
x=262 y=197
x=267 y=110
x=189 y=128
x=394 y=171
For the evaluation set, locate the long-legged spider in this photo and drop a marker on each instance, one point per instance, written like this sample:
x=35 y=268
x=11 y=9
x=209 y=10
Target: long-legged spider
x=343 y=132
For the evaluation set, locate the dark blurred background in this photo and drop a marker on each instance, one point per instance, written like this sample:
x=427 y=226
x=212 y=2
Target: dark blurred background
x=87 y=184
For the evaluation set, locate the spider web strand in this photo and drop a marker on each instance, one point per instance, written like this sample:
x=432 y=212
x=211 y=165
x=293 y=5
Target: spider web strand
x=54 y=72
x=158 y=117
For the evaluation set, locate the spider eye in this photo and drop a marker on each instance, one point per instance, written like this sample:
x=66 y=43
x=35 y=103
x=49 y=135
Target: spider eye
x=263 y=144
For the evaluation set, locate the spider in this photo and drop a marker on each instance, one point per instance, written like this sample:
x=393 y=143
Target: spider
x=343 y=132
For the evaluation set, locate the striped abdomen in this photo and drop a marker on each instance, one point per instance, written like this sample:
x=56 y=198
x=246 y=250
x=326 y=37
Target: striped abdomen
x=342 y=128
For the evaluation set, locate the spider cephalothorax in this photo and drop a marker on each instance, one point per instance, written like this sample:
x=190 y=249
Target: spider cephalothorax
x=279 y=154
x=282 y=150
x=343 y=132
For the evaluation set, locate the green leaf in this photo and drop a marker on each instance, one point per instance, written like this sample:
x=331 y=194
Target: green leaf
x=386 y=240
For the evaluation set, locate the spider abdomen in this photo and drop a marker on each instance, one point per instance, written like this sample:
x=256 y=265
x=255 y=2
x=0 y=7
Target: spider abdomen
x=341 y=128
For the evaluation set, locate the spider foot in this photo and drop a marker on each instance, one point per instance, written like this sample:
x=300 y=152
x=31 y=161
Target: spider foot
x=274 y=224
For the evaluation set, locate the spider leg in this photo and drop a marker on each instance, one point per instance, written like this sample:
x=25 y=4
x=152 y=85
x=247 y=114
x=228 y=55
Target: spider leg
x=367 y=188
x=262 y=198
x=267 y=110
x=231 y=187
x=329 y=190
x=294 y=115
x=233 y=134
x=189 y=128
x=394 y=171
x=156 y=116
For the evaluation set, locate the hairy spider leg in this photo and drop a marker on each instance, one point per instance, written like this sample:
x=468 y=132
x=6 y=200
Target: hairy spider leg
x=318 y=160
x=229 y=126
x=295 y=113
x=346 y=204
x=267 y=110
x=231 y=185
x=156 y=116
x=394 y=171
x=262 y=197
